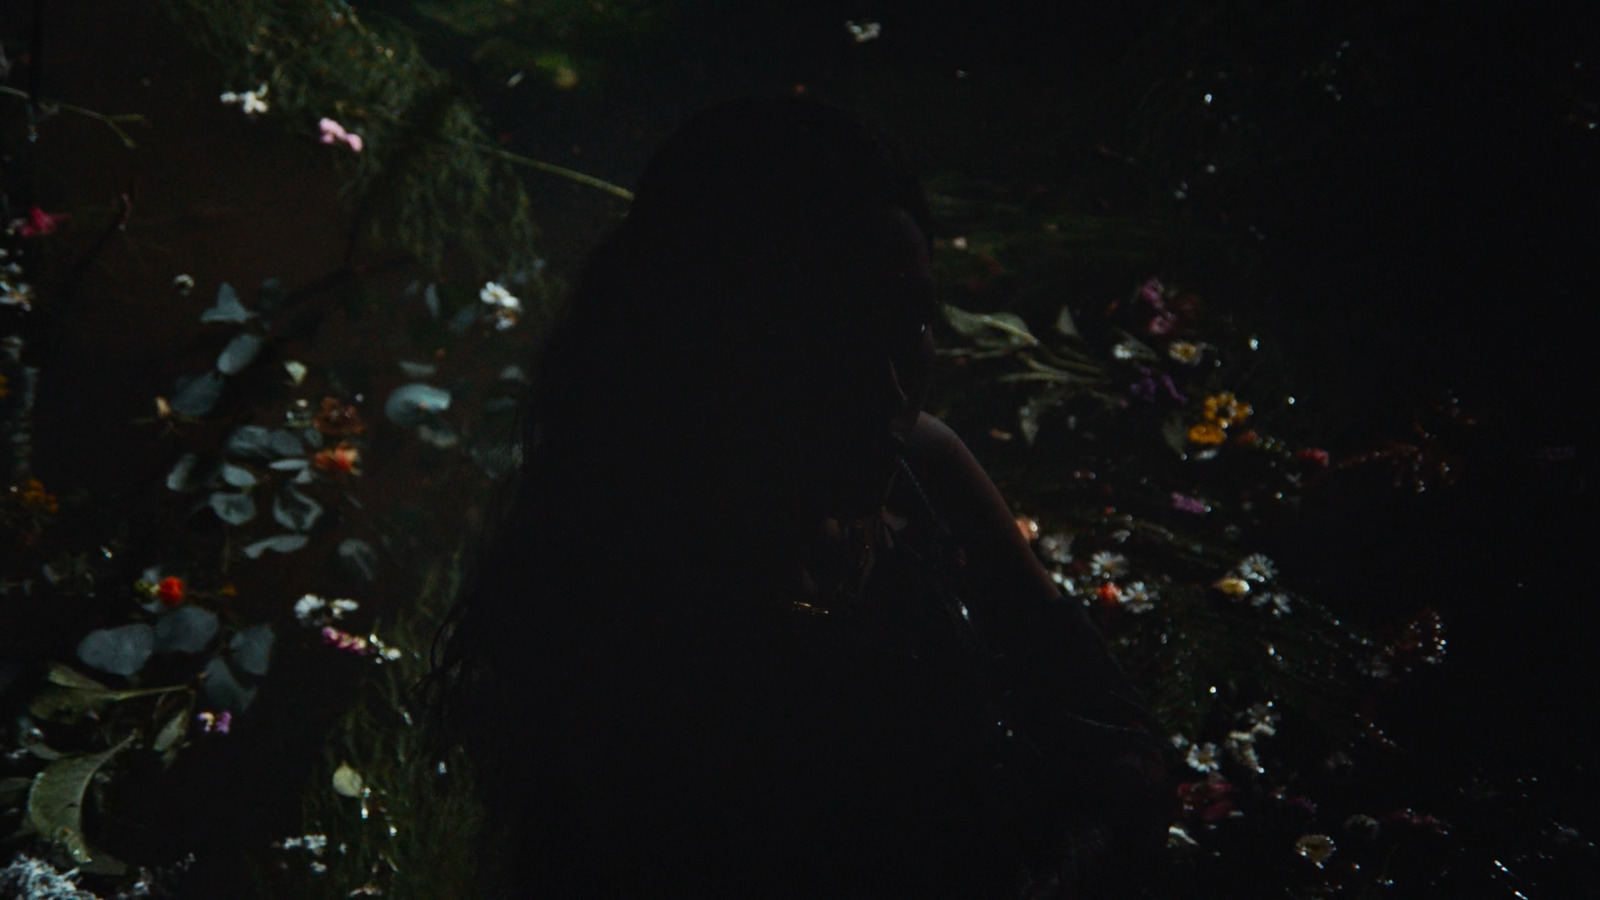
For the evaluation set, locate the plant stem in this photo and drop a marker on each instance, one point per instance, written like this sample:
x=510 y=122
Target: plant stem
x=550 y=168
x=110 y=120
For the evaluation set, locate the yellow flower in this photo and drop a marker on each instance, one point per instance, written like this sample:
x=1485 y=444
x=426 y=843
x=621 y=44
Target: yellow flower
x=1206 y=433
x=1225 y=409
x=35 y=499
x=1232 y=586
x=1185 y=352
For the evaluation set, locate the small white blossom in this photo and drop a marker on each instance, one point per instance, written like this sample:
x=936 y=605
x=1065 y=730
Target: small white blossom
x=1257 y=567
x=1179 y=742
x=184 y=284
x=307 y=606
x=1106 y=564
x=495 y=294
x=1262 y=719
x=1138 y=598
x=1056 y=547
x=1204 y=757
x=1178 y=837
x=251 y=102
x=1276 y=601
x=1124 y=350
x=38 y=880
x=340 y=607
x=16 y=294
x=866 y=31
x=1242 y=745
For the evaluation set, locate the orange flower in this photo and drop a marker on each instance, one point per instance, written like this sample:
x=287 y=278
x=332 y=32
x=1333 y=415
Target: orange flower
x=338 y=419
x=1225 y=409
x=343 y=459
x=1206 y=433
x=1109 y=593
x=36 y=500
x=170 y=591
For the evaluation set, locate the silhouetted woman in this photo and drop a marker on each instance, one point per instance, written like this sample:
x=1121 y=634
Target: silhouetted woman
x=755 y=625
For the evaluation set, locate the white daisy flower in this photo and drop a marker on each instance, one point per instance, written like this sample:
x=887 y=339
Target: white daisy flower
x=1262 y=719
x=1137 y=598
x=1106 y=564
x=1277 y=602
x=1204 y=757
x=1056 y=548
x=1257 y=567
x=251 y=102
x=495 y=294
x=1242 y=746
x=308 y=606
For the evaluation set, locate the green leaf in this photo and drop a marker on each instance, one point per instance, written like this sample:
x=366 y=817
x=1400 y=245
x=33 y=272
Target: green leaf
x=66 y=676
x=991 y=329
x=55 y=803
x=172 y=732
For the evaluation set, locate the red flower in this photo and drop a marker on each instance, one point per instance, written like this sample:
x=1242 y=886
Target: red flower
x=1315 y=456
x=40 y=222
x=1109 y=593
x=1207 y=800
x=343 y=459
x=170 y=591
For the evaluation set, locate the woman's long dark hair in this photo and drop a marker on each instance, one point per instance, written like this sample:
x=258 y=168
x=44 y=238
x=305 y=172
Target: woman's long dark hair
x=703 y=388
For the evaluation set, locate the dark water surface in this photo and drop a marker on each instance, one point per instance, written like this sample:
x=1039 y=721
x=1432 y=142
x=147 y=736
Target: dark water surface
x=1415 y=188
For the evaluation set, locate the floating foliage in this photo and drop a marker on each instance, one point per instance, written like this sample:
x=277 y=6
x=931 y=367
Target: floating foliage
x=55 y=805
x=187 y=629
x=119 y=651
x=279 y=543
x=228 y=308
x=252 y=648
x=412 y=404
x=235 y=509
x=196 y=395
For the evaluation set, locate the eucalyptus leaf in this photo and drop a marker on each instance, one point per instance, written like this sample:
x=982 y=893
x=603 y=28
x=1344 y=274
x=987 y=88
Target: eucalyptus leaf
x=178 y=478
x=195 y=395
x=228 y=308
x=250 y=442
x=187 y=629
x=285 y=443
x=252 y=649
x=417 y=370
x=463 y=320
x=239 y=353
x=359 y=558
x=1065 y=324
x=55 y=802
x=412 y=404
x=235 y=509
x=431 y=298
x=289 y=465
x=238 y=476
x=66 y=676
x=282 y=543
x=295 y=510
x=1000 y=329
x=223 y=689
x=120 y=651
x=172 y=732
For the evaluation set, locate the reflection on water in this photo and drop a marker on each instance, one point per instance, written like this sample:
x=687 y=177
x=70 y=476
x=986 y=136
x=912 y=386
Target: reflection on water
x=1206 y=300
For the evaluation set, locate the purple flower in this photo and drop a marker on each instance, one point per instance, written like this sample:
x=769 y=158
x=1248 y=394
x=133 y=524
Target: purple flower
x=1163 y=323
x=1188 y=504
x=1151 y=292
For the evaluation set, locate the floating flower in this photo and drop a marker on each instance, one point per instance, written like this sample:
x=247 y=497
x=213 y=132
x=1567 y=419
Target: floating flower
x=1163 y=323
x=1232 y=585
x=1209 y=799
x=1242 y=746
x=38 y=223
x=1188 y=504
x=251 y=102
x=1314 y=456
x=1106 y=564
x=1109 y=593
x=342 y=459
x=16 y=294
x=1225 y=409
x=170 y=591
x=1150 y=383
x=507 y=308
x=344 y=640
x=1153 y=293
x=866 y=31
x=334 y=133
x=1315 y=847
x=1185 y=352
x=1207 y=433
x=1262 y=718
x=338 y=419
x=212 y=722
x=1204 y=757
x=1276 y=601
x=35 y=499
x=1137 y=598
x=1257 y=567
x=1178 y=837
x=1124 y=350
x=1028 y=527
x=183 y=284
x=1056 y=547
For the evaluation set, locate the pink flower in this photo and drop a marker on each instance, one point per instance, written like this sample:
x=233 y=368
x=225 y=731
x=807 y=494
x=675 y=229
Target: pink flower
x=349 y=643
x=1163 y=323
x=1151 y=292
x=38 y=223
x=1188 y=504
x=334 y=133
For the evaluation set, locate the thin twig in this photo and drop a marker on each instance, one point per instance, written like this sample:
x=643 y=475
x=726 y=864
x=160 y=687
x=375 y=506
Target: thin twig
x=110 y=120
x=550 y=168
